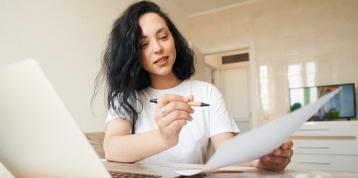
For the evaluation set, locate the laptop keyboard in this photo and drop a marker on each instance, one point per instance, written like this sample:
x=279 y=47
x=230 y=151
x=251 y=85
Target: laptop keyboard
x=128 y=174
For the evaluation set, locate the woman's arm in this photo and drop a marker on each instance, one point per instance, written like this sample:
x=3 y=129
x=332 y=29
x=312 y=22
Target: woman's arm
x=123 y=146
x=219 y=139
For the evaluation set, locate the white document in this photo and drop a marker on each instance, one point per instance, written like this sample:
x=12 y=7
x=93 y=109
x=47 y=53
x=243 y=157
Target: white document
x=261 y=141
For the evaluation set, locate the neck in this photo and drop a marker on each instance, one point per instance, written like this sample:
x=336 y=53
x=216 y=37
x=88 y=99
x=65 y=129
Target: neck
x=162 y=82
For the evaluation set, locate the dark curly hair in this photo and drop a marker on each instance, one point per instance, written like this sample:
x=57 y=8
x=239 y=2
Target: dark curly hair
x=122 y=62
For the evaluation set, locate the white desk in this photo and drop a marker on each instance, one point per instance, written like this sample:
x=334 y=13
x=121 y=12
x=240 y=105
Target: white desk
x=247 y=171
x=251 y=172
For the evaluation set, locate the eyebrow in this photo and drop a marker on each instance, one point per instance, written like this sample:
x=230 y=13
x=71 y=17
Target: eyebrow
x=158 y=31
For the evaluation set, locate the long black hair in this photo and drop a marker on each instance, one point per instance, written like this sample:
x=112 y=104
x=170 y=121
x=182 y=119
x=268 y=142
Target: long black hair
x=122 y=62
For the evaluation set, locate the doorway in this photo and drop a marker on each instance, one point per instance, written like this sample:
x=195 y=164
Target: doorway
x=233 y=81
x=250 y=46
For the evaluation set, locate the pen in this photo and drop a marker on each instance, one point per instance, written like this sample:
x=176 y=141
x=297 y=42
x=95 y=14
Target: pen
x=199 y=104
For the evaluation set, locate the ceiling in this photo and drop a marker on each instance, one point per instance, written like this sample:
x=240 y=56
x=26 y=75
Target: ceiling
x=194 y=7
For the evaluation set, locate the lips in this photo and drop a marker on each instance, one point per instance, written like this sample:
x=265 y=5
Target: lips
x=161 y=59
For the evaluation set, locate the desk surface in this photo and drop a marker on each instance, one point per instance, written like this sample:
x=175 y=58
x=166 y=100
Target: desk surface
x=251 y=172
x=247 y=171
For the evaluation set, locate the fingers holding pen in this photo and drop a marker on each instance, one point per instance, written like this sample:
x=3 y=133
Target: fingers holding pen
x=190 y=98
x=173 y=107
x=180 y=106
x=179 y=115
x=175 y=111
x=169 y=102
x=173 y=116
x=172 y=113
x=176 y=126
x=167 y=98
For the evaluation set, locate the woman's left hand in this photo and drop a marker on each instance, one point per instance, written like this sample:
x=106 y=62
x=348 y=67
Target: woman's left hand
x=278 y=160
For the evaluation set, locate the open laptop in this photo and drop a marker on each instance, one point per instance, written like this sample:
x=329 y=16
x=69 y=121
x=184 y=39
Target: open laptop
x=39 y=137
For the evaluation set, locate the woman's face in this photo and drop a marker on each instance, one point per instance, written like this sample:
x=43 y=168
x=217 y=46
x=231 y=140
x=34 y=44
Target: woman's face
x=157 y=45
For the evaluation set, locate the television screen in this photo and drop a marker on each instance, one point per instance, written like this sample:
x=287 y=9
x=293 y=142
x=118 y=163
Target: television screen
x=341 y=105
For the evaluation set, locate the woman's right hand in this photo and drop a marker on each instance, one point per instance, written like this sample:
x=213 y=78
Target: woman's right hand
x=176 y=116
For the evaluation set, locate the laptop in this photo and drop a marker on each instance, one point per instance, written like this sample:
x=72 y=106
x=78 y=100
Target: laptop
x=39 y=137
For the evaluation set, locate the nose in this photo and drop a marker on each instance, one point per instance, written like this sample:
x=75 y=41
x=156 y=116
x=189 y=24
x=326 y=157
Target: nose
x=158 y=48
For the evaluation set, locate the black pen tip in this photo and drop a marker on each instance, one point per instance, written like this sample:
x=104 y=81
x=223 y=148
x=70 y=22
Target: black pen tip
x=204 y=104
x=153 y=100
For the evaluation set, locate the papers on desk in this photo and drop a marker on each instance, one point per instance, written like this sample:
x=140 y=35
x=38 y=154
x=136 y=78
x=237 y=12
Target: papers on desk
x=261 y=141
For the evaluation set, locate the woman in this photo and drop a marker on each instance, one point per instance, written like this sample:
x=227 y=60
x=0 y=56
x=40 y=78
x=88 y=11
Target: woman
x=147 y=58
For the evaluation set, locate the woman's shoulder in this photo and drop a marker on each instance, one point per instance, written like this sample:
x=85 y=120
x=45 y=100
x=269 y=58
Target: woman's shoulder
x=119 y=97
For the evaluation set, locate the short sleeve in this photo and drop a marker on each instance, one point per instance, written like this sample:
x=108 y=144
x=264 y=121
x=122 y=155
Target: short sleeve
x=113 y=114
x=220 y=119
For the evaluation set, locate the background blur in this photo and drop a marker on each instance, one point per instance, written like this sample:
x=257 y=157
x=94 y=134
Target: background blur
x=68 y=38
x=297 y=43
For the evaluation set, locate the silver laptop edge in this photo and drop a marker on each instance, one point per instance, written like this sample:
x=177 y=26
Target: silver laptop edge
x=38 y=136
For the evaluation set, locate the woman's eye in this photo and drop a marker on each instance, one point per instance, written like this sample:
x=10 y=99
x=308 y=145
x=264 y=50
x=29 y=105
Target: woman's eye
x=143 y=45
x=163 y=37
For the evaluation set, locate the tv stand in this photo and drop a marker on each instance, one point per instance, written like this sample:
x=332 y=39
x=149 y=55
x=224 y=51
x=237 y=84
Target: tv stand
x=326 y=146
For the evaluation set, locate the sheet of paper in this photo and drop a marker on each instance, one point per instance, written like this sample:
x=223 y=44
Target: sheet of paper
x=261 y=141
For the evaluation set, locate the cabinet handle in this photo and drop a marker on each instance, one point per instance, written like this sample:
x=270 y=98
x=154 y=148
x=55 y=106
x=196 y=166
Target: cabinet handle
x=314 y=147
x=311 y=129
x=310 y=162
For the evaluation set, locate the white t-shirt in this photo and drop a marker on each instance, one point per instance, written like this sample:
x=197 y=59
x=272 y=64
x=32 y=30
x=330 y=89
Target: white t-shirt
x=194 y=137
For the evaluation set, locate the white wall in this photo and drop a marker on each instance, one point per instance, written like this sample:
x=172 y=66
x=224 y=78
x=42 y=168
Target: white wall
x=67 y=38
x=286 y=34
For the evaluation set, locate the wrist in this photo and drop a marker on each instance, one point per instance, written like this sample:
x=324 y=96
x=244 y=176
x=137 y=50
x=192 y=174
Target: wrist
x=166 y=142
